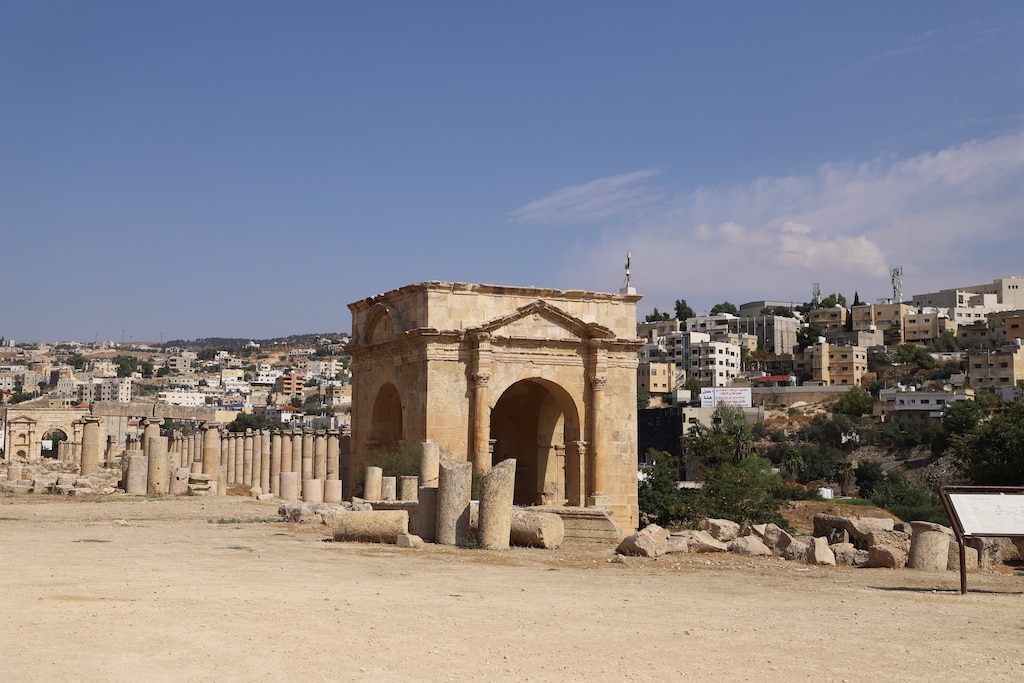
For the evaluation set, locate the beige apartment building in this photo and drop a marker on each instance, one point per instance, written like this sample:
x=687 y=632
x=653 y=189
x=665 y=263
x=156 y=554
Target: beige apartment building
x=657 y=380
x=887 y=318
x=996 y=370
x=832 y=320
x=290 y=384
x=831 y=364
x=926 y=325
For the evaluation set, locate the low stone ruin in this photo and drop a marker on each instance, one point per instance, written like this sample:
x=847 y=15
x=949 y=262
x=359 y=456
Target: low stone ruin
x=51 y=478
x=851 y=541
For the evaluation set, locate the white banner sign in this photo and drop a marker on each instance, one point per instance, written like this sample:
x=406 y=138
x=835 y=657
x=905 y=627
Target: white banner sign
x=735 y=397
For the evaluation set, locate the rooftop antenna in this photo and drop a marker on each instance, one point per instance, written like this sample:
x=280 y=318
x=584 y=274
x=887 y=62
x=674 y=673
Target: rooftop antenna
x=897 y=284
x=628 y=287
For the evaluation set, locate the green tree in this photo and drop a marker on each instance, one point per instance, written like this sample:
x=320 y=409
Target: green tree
x=126 y=365
x=747 y=493
x=992 y=454
x=683 y=310
x=781 y=311
x=808 y=334
x=869 y=475
x=249 y=421
x=656 y=316
x=724 y=307
x=643 y=400
x=77 y=361
x=854 y=402
x=832 y=300
x=661 y=501
x=958 y=419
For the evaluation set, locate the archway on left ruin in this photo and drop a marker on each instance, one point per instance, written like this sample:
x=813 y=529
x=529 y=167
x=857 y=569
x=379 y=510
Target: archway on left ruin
x=387 y=424
x=51 y=442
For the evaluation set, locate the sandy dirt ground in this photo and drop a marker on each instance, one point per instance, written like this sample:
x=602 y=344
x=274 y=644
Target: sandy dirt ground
x=204 y=589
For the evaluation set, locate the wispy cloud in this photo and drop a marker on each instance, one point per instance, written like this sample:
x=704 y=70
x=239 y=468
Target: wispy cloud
x=954 y=217
x=597 y=200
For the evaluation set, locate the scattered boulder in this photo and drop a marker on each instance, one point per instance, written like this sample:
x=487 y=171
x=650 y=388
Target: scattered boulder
x=989 y=550
x=887 y=557
x=971 y=557
x=751 y=546
x=703 y=542
x=408 y=541
x=723 y=530
x=819 y=553
x=651 y=541
x=677 y=544
x=845 y=554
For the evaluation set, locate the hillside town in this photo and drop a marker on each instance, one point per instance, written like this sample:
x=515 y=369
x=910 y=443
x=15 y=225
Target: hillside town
x=971 y=333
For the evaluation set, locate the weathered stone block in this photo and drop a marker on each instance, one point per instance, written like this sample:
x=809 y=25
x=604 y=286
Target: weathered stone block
x=651 y=541
x=887 y=557
x=374 y=526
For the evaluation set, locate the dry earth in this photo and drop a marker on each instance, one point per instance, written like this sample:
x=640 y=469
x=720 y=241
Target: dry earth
x=205 y=589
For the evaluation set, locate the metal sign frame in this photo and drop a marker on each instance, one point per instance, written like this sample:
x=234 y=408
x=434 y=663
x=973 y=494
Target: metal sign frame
x=1001 y=517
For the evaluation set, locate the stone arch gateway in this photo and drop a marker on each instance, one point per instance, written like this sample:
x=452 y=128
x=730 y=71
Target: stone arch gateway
x=489 y=372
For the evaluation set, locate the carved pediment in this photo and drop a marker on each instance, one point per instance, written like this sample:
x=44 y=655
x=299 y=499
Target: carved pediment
x=541 y=320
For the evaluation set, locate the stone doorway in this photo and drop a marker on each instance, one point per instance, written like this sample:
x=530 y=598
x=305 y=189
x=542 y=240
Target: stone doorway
x=386 y=424
x=51 y=441
x=533 y=421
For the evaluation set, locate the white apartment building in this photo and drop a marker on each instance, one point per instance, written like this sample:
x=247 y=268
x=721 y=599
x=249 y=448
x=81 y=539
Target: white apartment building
x=322 y=368
x=181 y=397
x=715 y=364
x=266 y=375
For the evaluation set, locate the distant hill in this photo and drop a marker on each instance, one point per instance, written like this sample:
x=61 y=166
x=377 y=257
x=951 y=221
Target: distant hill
x=230 y=343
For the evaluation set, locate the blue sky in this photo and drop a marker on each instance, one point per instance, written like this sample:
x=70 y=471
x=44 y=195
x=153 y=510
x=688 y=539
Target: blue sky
x=191 y=169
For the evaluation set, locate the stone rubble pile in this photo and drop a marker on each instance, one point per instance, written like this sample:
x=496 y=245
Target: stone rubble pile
x=850 y=541
x=51 y=478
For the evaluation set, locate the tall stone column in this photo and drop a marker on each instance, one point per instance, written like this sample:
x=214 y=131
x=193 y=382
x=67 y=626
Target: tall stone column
x=158 y=471
x=110 y=454
x=286 y=452
x=454 y=485
x=150 y=430
x=481 y=424
x=90 y=445
x=497 y=489
x=307 y=454
x=265 y=461
x=320 y=455
x=211 y=448
x=229 y=445
x=576 y=473
x=257 y=459
x=598 y=457
x=297 y=451
x=239 y=439
x=247 y=458
x=430 y=463
x=333 y=454
x=275 y=462
x=372 y=483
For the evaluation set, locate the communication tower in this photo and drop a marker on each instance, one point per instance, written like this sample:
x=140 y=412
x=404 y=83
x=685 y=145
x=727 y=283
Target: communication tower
x=897 y=284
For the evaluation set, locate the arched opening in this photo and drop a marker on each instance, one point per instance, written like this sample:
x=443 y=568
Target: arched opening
x=51 y=443
x=536 y=422
x=386 y=424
